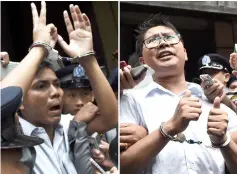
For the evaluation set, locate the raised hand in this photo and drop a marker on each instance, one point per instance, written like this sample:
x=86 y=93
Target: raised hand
x=217 y=89
x=126 y=79
x=217 y=123
x=41 y=31
x=80 y=35
x=188 y=109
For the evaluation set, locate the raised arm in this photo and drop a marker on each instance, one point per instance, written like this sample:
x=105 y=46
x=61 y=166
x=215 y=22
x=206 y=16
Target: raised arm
x=23 y=74
x=81 y=46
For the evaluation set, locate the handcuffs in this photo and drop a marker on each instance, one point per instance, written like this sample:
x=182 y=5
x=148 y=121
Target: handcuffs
x=55 y=60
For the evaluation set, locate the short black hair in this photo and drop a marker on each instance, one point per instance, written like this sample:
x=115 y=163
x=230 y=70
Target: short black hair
x=152 y=21
x=44 y=64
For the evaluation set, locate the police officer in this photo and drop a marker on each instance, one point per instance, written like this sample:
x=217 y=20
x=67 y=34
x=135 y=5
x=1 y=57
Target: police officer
x=17 y=149
x=76 y=87
x=218 y=67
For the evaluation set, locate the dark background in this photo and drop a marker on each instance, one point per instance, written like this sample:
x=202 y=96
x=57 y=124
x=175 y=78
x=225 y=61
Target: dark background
x=16 y=26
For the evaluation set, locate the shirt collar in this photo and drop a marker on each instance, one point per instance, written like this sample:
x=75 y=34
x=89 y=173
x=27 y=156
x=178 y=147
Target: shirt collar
x=193 y=87
x=28 y=128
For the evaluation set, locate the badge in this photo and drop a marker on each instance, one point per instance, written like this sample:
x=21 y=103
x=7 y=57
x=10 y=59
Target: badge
x=206 y=60
x=79 y=71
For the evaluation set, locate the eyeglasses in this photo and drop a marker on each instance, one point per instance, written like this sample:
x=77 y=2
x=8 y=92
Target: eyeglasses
x=155 y=40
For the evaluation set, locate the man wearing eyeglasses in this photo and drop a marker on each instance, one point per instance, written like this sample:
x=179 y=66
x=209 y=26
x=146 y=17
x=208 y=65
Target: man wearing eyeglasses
x=186 y=133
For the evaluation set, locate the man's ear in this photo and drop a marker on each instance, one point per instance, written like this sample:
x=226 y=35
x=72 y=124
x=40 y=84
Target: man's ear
x=21 y=107
x=141 y=60
x=186 y=56
x=227 y=77
x=92 y=96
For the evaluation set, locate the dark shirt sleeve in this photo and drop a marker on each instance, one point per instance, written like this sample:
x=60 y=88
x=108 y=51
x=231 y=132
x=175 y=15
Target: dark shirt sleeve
x=80 y=147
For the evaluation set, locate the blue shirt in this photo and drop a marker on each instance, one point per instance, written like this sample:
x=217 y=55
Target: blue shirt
x=51 y=159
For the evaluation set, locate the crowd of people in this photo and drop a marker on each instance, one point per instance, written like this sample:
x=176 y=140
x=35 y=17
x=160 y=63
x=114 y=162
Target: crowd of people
x=51 y=109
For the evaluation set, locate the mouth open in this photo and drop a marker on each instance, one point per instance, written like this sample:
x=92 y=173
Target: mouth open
x=165 y=55
x=55 y=110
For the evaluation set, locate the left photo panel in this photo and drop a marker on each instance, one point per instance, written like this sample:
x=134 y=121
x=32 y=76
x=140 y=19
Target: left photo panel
x=59 y=87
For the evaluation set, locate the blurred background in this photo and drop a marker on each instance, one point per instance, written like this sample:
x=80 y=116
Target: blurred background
x=16 y=27
x=206 y=27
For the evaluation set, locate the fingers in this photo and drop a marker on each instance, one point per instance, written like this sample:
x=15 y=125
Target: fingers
x=104 y=147
x=97 y=155
x=216 y=132
x=124 y=124
x=51 y=28
x=187 y=93
x=86 y=22
x=128 y=139
x=123 y=81
x=217 y=103
x=195 y=104
x=128 y=77
x=42 y=18
x=217 y=118
x=74 y=16
x=62 y=43
x=68 y=22
x=124 y=145
x=80 y=17
x=195 y=110
x=35 y=15
x=125 y=131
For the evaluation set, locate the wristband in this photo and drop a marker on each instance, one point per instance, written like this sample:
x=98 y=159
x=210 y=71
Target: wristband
x=41 y=44
x=223 y=144
x=75 y=59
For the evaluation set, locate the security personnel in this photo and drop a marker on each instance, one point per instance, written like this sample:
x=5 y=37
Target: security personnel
x=17 y=150
x=76 y=87
x=216 y=66
x=219 y=69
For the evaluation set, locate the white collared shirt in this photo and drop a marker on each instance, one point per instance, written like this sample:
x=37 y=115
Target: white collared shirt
x=152 y=105
x=51 y=159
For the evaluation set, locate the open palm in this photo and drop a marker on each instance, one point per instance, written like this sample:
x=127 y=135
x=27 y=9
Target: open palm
x=80 y=38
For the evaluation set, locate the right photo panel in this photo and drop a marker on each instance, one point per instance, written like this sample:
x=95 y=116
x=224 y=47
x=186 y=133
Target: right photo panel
x=178 y=87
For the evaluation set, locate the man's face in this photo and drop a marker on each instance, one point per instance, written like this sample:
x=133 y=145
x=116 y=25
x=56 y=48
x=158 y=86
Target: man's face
x=75 y=99
x=233 y=86
x=157 y=58
x=43 y=102
x=10 y=162
x=217 y=74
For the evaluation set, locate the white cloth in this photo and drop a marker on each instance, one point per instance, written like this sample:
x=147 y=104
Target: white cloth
x=51 y=159
x=152 y=105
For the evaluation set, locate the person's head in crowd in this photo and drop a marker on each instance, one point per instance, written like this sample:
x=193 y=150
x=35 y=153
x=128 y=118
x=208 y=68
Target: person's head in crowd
x=232 y=83
x=217 y=66
x=17 y=152
x=77 y=88
x=42 y=106
x=160 y=46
